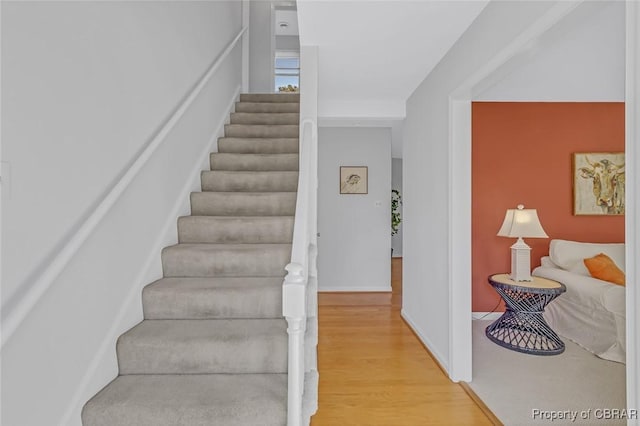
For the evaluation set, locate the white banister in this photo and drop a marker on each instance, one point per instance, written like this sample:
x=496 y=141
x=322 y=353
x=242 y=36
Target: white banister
x=298 y=296
x=16 y=311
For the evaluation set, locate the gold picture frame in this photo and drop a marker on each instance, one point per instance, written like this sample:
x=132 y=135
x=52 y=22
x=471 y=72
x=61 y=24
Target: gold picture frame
x=354 y=180
x=598 y=183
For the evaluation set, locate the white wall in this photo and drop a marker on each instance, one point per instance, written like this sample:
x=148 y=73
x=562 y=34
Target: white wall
x=427 y=163
x=261 y=45
x=580 y=60
x=355 y=234
x=287 y=43
x=396 y=183
x=86 y=85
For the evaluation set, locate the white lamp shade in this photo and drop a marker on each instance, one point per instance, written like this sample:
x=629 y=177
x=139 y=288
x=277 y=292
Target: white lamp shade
x=522 y=223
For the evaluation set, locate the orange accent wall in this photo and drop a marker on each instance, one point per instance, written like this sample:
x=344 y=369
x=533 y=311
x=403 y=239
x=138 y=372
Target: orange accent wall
x=522 y=154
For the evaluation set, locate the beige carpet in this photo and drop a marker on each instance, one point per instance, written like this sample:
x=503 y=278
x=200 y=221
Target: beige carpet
x=575 y=387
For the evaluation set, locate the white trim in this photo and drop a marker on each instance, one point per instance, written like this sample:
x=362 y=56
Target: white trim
x=16 y=313
x=354 y=289
x=632 y=237
x=460 y=335
x=431 y=347
x=246 y=17
x=488 y=316
x=272 y=49
x=460 y=340
x=83 y=393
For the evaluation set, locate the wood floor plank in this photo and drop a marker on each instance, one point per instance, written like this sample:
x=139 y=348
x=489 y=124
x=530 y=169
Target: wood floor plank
x=374 y=371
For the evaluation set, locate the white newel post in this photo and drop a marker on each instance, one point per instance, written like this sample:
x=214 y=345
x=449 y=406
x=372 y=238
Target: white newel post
x=294 y=309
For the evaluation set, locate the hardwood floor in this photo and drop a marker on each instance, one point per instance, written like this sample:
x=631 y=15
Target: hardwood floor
x=374 y=371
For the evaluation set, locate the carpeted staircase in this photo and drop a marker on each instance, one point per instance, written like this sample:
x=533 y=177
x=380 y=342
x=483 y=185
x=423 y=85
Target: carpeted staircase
x=212 y=348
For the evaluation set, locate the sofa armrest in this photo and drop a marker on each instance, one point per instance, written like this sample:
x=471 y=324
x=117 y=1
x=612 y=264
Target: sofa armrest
x=588 y=291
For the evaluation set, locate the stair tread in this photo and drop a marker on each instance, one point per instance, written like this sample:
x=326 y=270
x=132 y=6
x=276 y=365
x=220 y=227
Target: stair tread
x=218 y=260
x=243 y=204
x=273 y=107
x=187 y=284
x=258 y=156
x=266 y=126
x=230 y=229
x=185 y=400
x=256 y=140
x=213 y=297
x=261 y=130
x=259 y=145
x=248 y=180
x=275 y=118
x=204 y=346
x=270 y=97
x=206 y=247
x=261 y=173
x=264 y=220
x=187 y=329
x=254 y=162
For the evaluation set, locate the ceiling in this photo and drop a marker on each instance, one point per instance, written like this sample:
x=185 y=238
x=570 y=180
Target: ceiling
x=373 y=54
x=286 y=22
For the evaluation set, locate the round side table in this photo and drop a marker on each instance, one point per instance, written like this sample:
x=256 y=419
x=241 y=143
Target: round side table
x=522 y=327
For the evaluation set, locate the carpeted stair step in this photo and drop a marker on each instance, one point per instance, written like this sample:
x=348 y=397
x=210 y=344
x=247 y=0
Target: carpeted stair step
x=249 y=181
x=235 y=230
x=232 y=346
x=269 y=97
x=243 y=203
x=254 y=162
x=258 y=145
x=212 y=348
x=225 y=260
x=269 y=107
x=265 y=118
x=261 y=131
x=189 y=400
x=213 y=298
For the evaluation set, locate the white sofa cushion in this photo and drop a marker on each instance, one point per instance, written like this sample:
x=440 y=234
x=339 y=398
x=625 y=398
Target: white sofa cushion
x=591 y=312
x=569 y=255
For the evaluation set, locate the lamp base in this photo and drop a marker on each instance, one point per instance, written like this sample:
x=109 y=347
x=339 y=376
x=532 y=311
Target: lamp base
x=520 y=261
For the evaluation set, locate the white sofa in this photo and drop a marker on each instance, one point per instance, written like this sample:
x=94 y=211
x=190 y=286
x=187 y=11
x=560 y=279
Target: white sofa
x=591 y=312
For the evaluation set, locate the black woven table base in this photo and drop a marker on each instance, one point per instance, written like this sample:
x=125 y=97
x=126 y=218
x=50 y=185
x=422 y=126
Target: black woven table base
x=522 y=328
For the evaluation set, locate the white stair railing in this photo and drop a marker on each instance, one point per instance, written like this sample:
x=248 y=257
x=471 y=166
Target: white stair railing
x=299 y=292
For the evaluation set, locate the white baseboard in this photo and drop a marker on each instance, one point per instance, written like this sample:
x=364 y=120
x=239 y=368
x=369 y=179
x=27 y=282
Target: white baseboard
x=425 y=340
x=131 y=311
x=489 y=316
x=354 y=289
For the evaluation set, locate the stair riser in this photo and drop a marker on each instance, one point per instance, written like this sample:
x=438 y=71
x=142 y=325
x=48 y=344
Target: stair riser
x=260 y=131
x=220 y=181
x=144 y=350
x=265 y=118
x=257 y=301
x=270 y=97
x=265 y=107
x=251 y=162
x=216 y=230
x=258 y=146
x=239 y=204
x=231 y=262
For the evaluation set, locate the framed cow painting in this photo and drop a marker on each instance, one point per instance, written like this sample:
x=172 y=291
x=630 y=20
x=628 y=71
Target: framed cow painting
x=598 y=183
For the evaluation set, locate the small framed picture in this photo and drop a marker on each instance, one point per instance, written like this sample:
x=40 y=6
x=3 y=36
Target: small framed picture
x=598 y=183
x=354 y=179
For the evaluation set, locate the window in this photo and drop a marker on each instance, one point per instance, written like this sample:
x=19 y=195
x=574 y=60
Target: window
x=287 y=72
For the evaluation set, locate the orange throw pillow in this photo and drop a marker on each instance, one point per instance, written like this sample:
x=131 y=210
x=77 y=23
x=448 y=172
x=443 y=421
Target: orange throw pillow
x=602 y=267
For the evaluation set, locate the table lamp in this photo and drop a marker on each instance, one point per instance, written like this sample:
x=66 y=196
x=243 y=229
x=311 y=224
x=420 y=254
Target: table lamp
x=521 y=223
